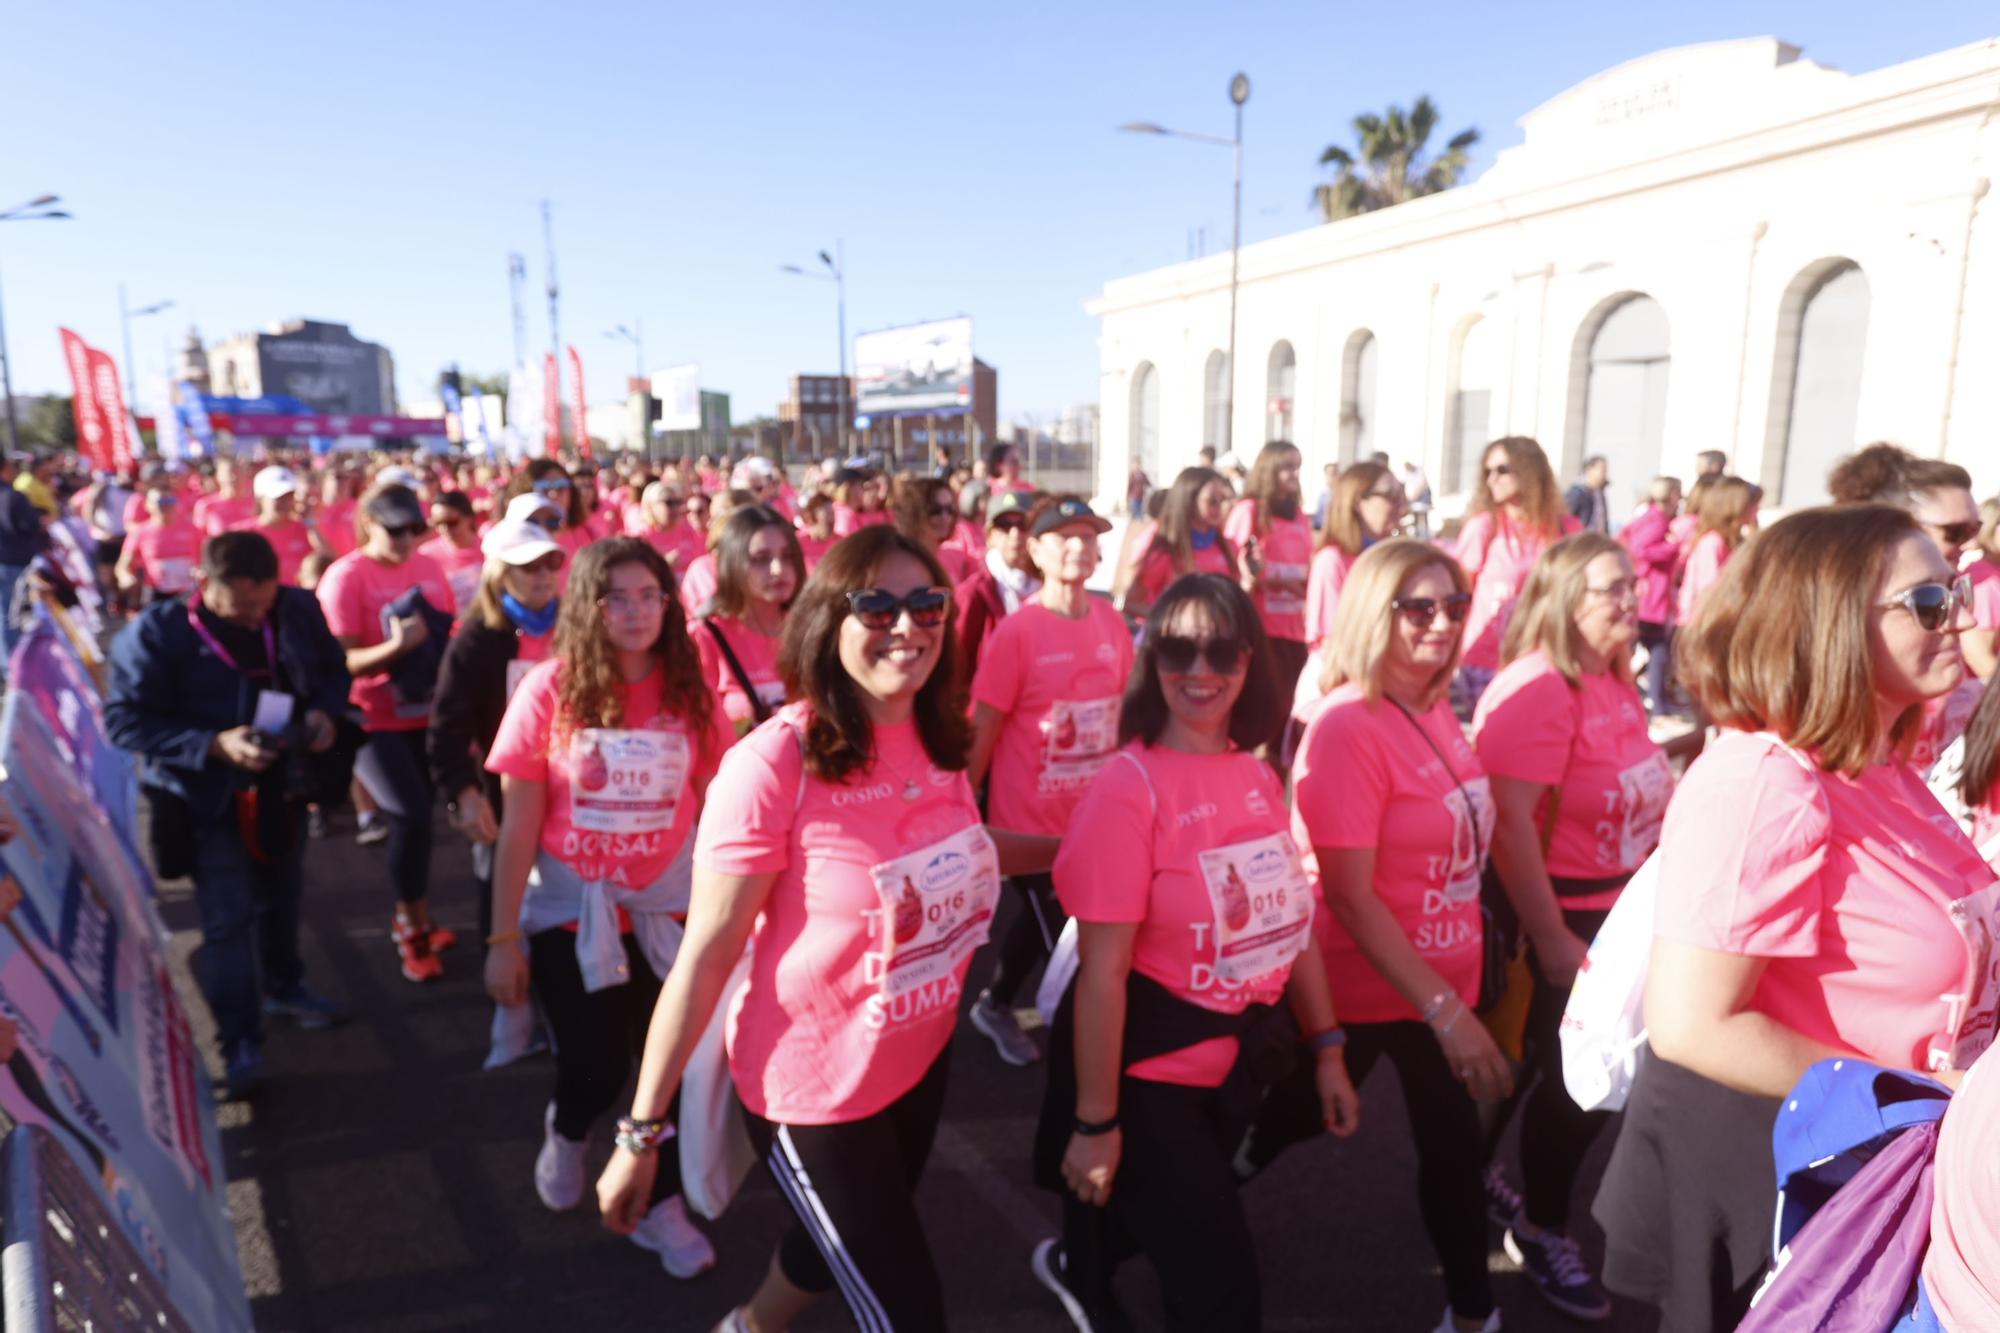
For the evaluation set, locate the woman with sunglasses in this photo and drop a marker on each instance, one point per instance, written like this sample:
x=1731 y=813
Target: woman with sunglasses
x=759 y=570
x=604 y=756
x=1398 y=814
x=549 y=481
x=1726 y=519
x=926 y=512
x=1194 y=915
x=1005 y=583
x=1267 y=521
x=160 y=555
x=1364 y=507
x=1580 y=789
x=842 y=843
x=455 y=546
x=1045 y=701
x=384 y=602
x=660 y=520
x=1813 y=901
x=1189 y=540
x=698 y=576
x=1516 y=513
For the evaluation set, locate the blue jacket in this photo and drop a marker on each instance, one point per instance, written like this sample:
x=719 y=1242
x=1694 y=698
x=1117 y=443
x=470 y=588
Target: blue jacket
x=170 y=694
x=21 y=533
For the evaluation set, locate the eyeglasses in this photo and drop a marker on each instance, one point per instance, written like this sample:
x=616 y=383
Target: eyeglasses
x=1422 y=612
x=675 y=504
x=446 y=524
x=1935 y=605
x=1624 y=590
x=1500 y=470
x=632 y=603
x=1177 y=654
x=551 y=486
x=1952 y=534
x=1011 y=523
x=402 y=529
x=879 y=609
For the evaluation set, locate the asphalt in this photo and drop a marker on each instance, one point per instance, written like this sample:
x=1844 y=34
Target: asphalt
x=380 y=1181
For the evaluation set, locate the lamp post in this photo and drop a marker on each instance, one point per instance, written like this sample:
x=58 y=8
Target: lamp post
x=39 y=209
x=636 y=335
x=1239 y=93
x=125 y=317
x=836 y=266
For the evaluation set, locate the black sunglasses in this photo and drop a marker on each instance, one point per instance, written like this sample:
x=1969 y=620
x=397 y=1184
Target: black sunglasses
x=1935 y=605
x=879 y=609
x=403 y=529
x=1500 y=470
x=1423 y=611
x=1177 y=654
x=1954 y=534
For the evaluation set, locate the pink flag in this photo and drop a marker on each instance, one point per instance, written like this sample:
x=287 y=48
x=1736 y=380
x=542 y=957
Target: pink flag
x=576 y=392
x=111 y=405
x=552 y=404
x=93 y=438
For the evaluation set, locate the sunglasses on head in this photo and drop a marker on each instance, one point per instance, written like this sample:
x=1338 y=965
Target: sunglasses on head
x=879 y=609
x=1423 y=611
x=1177 y=653
x=1934 y=605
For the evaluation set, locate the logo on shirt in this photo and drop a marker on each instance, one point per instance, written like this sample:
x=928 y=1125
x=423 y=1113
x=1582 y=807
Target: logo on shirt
x=1107 y=654
x=1254 y=802
x=1050 y=659
x=1206 y=810
x=861 y=795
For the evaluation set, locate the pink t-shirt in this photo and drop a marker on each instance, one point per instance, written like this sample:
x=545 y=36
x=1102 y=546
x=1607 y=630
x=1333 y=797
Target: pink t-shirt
x=1592 y=743
x=814 y=547
x=1497 y=556
x=1287 y=552
x=1057 y=684
x=1325 y=577
x=213 y=514
x=756 y=653
x=858 y=958
x=1192 y=849
x=957 y=564
x=1985 y=576
x=336 y=525
x=698 y=583
x=292 y=542
x=1365 y=777
x=461 y=566
x=621 y=800
x=1656 y=554
x=1962 y=1268
x=355 y=595
x=1872 y=908
x=680 y=543
x=1157 y=572
x=1704 y=566
x=165 y=555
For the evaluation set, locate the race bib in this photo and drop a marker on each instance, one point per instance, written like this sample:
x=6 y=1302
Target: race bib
x=464 y=584
x=1077 y=739
x=1645 y=787
x=937 y=907
x=173 y=574
x=1263 y=906
x=626 y=781
x=1285 y=603
x=1971 y=1014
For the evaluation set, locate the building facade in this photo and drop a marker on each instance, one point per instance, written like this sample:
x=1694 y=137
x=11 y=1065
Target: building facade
x=811 y=413
x=1722 y=246
x=322 y=365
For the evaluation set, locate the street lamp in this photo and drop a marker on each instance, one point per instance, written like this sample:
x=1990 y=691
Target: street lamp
x=38 y=209
x=125 y=317
x=1239 y=93
x=638 y=340
x=836 y=266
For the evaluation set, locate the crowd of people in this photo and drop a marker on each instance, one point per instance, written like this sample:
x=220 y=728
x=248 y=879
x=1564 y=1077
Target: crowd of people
x=750 y=763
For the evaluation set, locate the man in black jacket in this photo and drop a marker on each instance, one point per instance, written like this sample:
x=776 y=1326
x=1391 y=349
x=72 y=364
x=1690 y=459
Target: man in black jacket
x=22 y=538
x=223 y=695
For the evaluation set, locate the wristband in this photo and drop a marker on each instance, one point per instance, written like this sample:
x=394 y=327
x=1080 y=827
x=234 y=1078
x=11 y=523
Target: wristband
x=642 y=1136
x=1089 y=1130
x=1331 y=1039
x=1435 y=1005
x=504 y=937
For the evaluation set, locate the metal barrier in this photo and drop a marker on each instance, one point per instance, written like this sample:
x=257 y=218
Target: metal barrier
x=67 y=1266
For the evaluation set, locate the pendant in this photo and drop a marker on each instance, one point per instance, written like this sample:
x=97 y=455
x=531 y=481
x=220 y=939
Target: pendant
x=910 y=789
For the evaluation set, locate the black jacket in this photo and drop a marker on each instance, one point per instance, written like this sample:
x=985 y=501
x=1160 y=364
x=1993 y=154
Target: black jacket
x=471 y=698
x=22 y=536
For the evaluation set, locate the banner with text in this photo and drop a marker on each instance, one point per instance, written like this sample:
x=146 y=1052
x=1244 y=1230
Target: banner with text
x=578 y=407
x=551 y=405
x=110 y=398
x=93 y=435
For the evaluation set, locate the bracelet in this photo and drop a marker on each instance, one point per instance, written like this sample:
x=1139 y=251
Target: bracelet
x=504 y=937
x=1435 y=1005
x=1452 y=1022
x=642 y=1136
x=1328 y=1039
x=1089 y=1130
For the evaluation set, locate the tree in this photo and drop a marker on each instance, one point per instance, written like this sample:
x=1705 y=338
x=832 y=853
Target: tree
x=1390 y=168
x=50 y=424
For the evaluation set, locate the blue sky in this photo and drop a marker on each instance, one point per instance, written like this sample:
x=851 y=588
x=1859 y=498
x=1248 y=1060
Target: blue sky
x=374 y=163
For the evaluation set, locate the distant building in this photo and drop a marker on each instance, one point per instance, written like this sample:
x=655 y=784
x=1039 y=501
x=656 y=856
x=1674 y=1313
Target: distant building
x=712 y=438
x=964 y=433
x=323 y=365
x=809 y=418
x=191 y=365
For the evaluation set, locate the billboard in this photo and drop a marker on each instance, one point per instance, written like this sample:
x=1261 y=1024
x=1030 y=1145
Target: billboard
x=918 y=368
x=679 y=392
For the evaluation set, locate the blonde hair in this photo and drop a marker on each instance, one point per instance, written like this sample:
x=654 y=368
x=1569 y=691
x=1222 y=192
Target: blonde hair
x=1545 y=616
x=1662 y=489
x=1343 y=519
x=1364 y=625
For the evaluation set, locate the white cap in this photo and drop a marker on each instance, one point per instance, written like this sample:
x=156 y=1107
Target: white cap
x=398 y=476
x=517 y=541
x=272 y=482
x=523 y=508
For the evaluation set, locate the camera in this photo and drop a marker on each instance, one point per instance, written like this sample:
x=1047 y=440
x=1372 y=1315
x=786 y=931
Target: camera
x=289 y=773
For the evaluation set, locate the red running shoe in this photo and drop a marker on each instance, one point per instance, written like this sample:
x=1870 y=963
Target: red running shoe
x=413 y=946
x=442 y=938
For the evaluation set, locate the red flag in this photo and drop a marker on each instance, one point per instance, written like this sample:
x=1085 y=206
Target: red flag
x=552 y=404
x=92 y=438
x=577 y=404
x=111 y=404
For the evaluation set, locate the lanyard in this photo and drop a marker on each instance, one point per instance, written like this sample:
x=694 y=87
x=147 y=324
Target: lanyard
x=215 y=645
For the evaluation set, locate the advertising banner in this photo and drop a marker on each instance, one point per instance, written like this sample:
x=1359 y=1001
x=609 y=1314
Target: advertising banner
x=480 y=436
x=578 y=410
x=679 y=391
x=196 y=428
x=919 y=368
x=111 y=406
x=551 y=405
x=93 y=434
x=524 y=410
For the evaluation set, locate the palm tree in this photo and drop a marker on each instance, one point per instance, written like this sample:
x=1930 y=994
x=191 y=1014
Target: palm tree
x=1390 y=167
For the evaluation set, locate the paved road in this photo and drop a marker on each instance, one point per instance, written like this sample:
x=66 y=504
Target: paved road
x=382 y=1181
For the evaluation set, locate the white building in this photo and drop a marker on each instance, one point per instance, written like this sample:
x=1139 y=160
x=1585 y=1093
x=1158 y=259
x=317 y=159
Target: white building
x=1717 y=247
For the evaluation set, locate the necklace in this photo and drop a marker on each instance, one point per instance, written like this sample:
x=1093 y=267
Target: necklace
x=911 y=791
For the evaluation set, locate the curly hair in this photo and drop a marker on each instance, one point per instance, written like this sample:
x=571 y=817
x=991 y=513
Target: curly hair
x=588 y=692
x=839 y=739
x=910 y=500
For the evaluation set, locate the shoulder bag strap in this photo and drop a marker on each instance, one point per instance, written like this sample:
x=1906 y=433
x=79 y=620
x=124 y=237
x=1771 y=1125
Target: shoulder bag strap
x=758 y=708
x=1471 y=810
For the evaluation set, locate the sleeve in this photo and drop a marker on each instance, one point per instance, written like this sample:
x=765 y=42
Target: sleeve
x=448 y=743
x=340 y=601
x=1340 y=782
x=139 y=706
x=1241 y=525
x=1473 y=539
x=1525 y=732
x=996 y=681
x=1323 y=580
x=1986 y=602
x=521 y=747
x=1104 y=872
x=1741 y=852
x=746 y=822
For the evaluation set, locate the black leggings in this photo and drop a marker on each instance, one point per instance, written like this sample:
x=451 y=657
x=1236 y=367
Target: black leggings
x=1444 y=1123
x=599 y=1036
x=854 y=1188
x=1175 y=1201
x=1289 y=658
x=1029 y=939
x=393 y=768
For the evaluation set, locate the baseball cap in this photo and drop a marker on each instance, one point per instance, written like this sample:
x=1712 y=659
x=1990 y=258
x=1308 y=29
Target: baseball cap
x=1009 y=502
x=517 y=541
x=396 y=507
x=1065 y=512
x=398 y=476
x=523 y=508
x=272 y=482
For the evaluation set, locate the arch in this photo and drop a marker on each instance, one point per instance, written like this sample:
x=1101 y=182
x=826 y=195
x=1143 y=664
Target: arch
x=1815 y=379
x=1281 y=376
x=1145 y=441
x=1215 y=401
x=1618 y=392
x=1473 y=371
x=1357 y=397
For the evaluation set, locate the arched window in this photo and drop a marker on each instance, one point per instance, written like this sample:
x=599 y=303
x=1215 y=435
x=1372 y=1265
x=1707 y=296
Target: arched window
x=1280 y=379
x=1146 y=421
x=1475 y=369
x=1215 y=402
x=1357 y=398
x=1625 y=393
x=1816 y=379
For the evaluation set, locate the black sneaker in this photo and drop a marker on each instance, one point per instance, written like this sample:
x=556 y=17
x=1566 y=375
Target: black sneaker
x=1555 y=1264
x=1048 y=1265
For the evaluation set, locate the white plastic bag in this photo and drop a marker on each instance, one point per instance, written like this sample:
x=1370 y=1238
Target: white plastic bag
x=1604 y=1023
x=715 y=1149
x=1061 y=970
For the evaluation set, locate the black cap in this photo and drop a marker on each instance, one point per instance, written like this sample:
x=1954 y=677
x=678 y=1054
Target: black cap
x=396 y=507
x=1065 y=512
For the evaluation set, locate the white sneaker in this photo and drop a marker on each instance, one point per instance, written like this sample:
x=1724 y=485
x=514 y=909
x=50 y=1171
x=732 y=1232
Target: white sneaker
x=667 y=1232
x=1492 y=1324
x=558 y=1167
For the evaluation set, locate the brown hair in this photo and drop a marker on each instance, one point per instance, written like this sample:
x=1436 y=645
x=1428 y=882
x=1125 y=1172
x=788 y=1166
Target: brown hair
x=1989 y=529
x=1343 y=511
x=1723 y=508
x=1980 y=769
x=1781 y=642
x=1175 y=533
x=839 y=739
x=1882 y=473
x=722 y=506
x=588 y=693
x=1545 y=616
x=543 y=469
x=732 y=558
x=1262 y=487
x=1537 y=494
x=1258 y=709
x=910 y=498
x=1364 y=622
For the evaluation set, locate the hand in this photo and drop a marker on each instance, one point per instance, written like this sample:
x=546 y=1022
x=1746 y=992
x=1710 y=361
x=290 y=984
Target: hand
x=1560 y=957
x=10 y=895
x=408 y=633
x=625 y=1189
x=319 y=731
x=475 y=817
x=1474 y=1060
x=507 y=974
x=1090 y=1163
x=242 y=747
x=10 y=823
x=1339 y=1104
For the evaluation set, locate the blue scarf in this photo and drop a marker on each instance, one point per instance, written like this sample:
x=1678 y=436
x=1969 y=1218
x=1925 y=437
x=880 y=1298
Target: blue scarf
x=1201 y=541
x=535 y=623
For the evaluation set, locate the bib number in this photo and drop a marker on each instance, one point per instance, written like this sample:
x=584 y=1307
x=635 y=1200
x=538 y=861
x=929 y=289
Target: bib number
x=464 y=584
x=173 y=574
x=1284 y=603
x=937 y=907
x=1645 y=788
x=1263 y=906
x=1972 y=1012
x=626 y=782
x=1077 y=739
